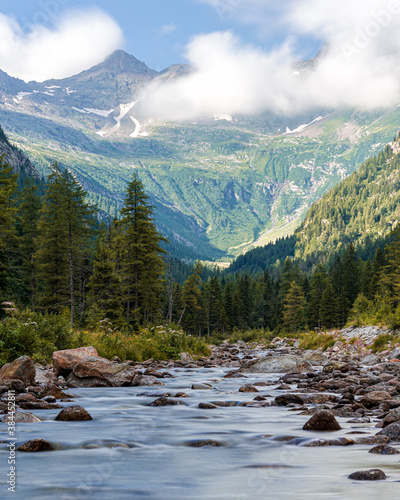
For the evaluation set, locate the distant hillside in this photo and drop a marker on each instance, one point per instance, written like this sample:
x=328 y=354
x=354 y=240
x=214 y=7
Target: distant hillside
x=363 y=209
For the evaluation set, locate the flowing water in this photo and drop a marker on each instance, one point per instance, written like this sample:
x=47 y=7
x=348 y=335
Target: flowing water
x=131 y=450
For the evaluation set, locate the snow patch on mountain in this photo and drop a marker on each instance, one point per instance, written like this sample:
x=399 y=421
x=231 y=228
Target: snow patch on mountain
x=228 y=118
x=124 y=109
x=302 y=127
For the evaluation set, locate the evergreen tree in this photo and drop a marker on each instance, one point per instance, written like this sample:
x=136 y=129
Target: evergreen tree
x=105 y=290
x=328 y=307
x=294 y=308
x=318 y=283
x=28 y=218
x=191 y=298
x=8 y=188
x=142 y=265
x=66 y=231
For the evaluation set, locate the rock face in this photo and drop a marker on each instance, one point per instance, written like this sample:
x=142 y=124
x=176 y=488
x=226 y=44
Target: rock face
x=22 y=368
x=368 y=475
x=36 y=445
x=96 y=368
x=322 y=420
x=74 y=413
x=278 y=364
x=65 y=361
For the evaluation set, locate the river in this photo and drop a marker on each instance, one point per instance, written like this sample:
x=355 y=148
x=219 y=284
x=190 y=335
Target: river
x=131 y=450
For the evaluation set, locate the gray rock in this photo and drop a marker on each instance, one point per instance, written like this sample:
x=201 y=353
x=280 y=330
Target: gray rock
x=278 y=364
x=368 y=475
x=21 y=417
x=383 y=449
x=392 y=431
x=370 y=360
x=248 y=388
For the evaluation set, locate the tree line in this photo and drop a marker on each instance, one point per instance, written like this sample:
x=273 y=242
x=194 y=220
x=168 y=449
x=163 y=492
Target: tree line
x=56 y=256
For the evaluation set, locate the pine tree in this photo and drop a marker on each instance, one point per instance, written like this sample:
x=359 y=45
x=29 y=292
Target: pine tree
x=142 y=265
x=318 y=283
x=294 y=308
x=66 y=231
x=28 y=217
x=328 y=307
x=105 y=291
x=191 y=298
x=8 y=188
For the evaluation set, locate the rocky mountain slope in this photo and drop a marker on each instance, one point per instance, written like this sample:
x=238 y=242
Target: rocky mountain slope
x=221 y=186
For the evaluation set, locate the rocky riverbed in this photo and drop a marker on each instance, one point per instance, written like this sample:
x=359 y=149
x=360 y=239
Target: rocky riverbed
x=245 y=423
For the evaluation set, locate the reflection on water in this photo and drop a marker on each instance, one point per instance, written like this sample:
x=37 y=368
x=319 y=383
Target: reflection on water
x=131 y=450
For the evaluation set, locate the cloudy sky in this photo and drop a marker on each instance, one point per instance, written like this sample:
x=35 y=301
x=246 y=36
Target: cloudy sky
x=242 y=50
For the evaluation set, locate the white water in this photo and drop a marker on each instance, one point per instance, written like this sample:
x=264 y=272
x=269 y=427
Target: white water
x=158 y=466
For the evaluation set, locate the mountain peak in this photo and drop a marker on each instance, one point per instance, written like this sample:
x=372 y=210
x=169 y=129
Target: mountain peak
x=121 y=62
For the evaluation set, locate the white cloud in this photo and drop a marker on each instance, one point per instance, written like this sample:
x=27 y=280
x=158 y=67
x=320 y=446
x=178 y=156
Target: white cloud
x=79 y=40
x=360 y=67
x=167 y=29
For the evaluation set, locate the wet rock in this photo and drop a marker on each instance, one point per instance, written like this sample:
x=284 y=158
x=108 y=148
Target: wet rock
x=25 y=398
x=203 y=442
x=329 y=442
x=145 y=381
x=391 y=417
x=201 y=387
x=248 y=388
x=55 y=391
x=116 y=374
x=368 y=475
x=375 y=398
x=287 y=399
x=318 y=398
x=322 y=420
x=225 y=404
x=164 y=402
x=75 y=382
x=383 y=449
x=336 y=365
x=235 y=374
x=277 y=364
x=21 y=417
x=39 y=405
x=372 y=440
x=207 y=406
x=74 y=413
x=180 y=395
x=392 y=431
x=36 y=445
x=22 y=368
x=65 y=361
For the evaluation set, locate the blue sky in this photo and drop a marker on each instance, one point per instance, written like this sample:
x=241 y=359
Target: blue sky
x=157 y=31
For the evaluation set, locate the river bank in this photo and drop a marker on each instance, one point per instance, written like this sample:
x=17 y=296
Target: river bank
x=248 y=444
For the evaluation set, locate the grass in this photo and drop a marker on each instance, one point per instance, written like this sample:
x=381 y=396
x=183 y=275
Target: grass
x=384 y=342
x=314 y=340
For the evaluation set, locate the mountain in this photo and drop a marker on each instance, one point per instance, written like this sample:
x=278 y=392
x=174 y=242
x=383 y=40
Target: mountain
x=221 y=186
x=16 y=159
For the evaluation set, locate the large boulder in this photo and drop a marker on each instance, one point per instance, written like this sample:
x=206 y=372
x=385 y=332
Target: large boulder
x=368 y=475
x=315 y=358
x=375 y=398
x=116 y=374
x=278 y=364
x=73 y=413
x=65 y=361
x=322 y=420
x=22 y=368
x=392 y=431
x=20 y=417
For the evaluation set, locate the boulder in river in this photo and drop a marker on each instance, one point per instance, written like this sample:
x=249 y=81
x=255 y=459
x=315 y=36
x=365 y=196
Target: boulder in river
x=368 y=475
x=201 y=387
x=65 y=361
x=73 y=413
x=248 y=388
x=392 y=431
x=21 y=417
x=287 y=399
x=22 y=368
x=383 y=449
x=277 y=364
x=116 y=374
x=375 y=398
x=390 y=418
x=164 y=402
x=36 y=445
x=322 y=420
